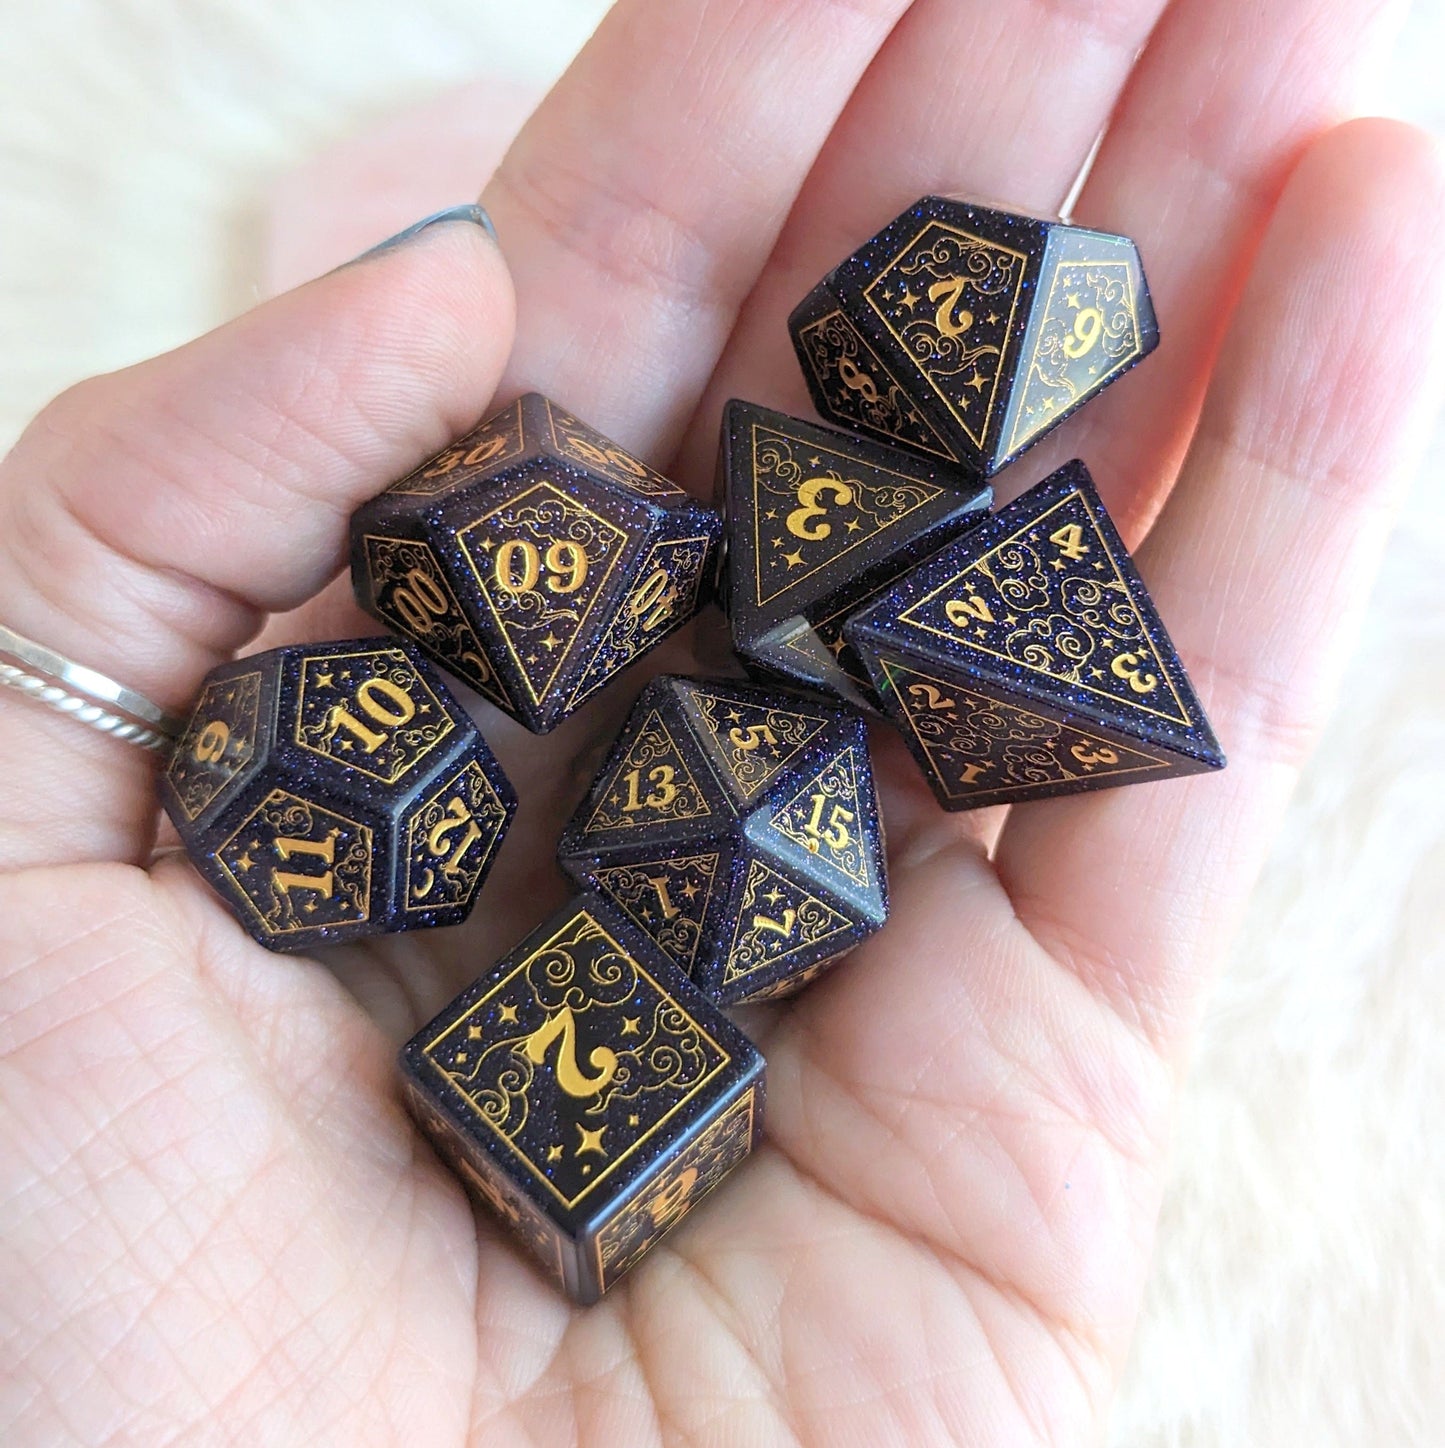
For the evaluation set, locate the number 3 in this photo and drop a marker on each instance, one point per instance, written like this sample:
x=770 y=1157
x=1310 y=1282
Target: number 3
x=798 y=521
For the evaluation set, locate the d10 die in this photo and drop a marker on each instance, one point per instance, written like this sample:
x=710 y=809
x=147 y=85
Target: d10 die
x=1027 y=660
x=738 y=827
x=966 y=333
x=588 y=1093
x=331 y=791
x=818 y=521
x=534 y=558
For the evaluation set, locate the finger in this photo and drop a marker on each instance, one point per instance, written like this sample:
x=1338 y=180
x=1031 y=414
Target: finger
x=1226 y=98
x=1002 y=100
x=1261 y=562
x=640 y=202
x=149 y=519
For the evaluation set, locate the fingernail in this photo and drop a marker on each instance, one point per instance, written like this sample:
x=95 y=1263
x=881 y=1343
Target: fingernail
x=471 y=212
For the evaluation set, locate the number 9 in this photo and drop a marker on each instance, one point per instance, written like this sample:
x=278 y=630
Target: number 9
x=1088 y=328
x=567 y=562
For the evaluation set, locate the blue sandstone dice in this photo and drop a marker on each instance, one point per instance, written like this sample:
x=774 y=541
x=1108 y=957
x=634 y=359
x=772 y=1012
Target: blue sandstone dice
x=535 y=559
x=587 y=1093
x=1027 y=659
x=737 y=825
x=333 y=791
x=967 y=334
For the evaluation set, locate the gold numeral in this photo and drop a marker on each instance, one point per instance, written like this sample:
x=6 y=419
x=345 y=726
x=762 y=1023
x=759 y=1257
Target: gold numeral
x=519 y=564
x=457 y=457
x=1088 y=328
x=420 y=602
x=672 y=1200
x=1127 y=667
x=783 y=927
x=1070 y=541
x=560 y=1027
x=948 y=293
x=799 y=521
x=1102 y=755
x=963 y=611
x=835 y=835
x=608 y=457
x=971 y=774
x=750 y=738
x=323 y=850
x=659 y=883
x=930 y=698
x=372 y=699
x=856 y=380
x=211 y=745
x=654 y=601
x=659 y=798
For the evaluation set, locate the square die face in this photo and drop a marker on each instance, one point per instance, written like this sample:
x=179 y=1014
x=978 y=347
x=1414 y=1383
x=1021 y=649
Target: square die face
x=579 y=1063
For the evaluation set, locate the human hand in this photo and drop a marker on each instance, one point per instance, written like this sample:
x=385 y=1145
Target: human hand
x=215 y=1221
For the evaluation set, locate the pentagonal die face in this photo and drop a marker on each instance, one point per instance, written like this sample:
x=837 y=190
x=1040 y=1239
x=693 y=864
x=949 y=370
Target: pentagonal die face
x=966 y=333
x=535 y=559
x=334 y=791
x=738 y=827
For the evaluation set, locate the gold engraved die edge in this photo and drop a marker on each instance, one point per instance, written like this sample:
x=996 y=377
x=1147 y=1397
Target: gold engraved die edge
x=249 y=685
x=568 y=926
x=910 y=616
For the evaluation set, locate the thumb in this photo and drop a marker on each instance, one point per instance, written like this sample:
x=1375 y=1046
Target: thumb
x=151 y=518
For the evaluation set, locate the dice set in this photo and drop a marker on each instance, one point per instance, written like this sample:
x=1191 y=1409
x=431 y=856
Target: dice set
x=587 y=1088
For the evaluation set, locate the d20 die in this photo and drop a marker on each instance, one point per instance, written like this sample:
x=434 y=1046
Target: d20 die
x=332 y=791
x=966 y=333
x=738 y=827
x=818 y=521
x=588 y=1093
x=1028 y=660
x=534 y=559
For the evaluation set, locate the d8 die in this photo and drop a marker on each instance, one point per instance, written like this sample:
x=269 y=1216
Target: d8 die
x=534 y=559
x=738 y=827
x=1027 y=660
x=331 y=791
x=966 y=333
x=588 y=1093
x=818 y=521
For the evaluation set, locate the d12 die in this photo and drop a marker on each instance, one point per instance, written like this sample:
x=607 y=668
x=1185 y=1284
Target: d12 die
x=1028 y=660
x=588 y=1093
x=966 y=333
x=818 y=521
x=738 y=827
x=331 y=791
x=534 y=558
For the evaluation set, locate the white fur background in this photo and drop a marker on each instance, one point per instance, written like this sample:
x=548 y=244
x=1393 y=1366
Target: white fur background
x=1298 y=1294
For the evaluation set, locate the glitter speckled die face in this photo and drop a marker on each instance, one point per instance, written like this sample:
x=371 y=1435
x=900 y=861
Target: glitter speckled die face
x=738 y=826
x=1028 y=660
x=966 y=334
x=819 y=521
x=334 y=791
x=587 y=1093
x=535 y=559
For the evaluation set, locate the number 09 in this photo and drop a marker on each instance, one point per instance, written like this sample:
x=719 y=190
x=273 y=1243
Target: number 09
x=519 y=565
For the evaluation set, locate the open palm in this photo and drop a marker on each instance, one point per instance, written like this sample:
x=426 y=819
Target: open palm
x=215 y=1222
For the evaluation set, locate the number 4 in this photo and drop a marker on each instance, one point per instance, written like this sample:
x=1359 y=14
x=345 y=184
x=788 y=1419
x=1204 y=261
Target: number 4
x=1070 y=541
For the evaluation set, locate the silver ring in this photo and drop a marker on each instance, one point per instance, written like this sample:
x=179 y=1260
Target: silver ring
x=83 y=694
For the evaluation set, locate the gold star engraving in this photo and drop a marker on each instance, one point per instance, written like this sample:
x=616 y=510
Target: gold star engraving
x=793 y=560
x=551 y=641
x=1074 y=301
x=1057 y=565
x=910 y=299
x=507 y=1015
x=854 y=526
x=772 y=897
x=325 y=681
x=993 y=319
x=978 y=381
x=632 y=1120
x=474 y=1033
x=554 y=1153
x=245 y=862
x=689 y=891
x=632 y=1025
x=591 y=1140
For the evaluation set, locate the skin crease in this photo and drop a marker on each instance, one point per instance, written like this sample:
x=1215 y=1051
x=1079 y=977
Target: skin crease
x=216 y=1224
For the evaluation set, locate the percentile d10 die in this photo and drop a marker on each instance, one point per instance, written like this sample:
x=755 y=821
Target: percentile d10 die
x=535 y=559
x=587 y=1093
x=967 y=333
x=333 y=791
x=1027 y=660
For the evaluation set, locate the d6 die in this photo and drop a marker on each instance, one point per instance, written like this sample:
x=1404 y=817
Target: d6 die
x=818 y=521
x=738 y=827
x=534 y=559
x=331 y=791
x=1028 y=660
x=967 y=333
x=588 y=1093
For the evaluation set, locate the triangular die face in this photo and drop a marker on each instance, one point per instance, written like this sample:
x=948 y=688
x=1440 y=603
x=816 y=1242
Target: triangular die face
x=749 y=743
x=854 y=386
x=814 y=515
x=544 y=561
x=668 y=898
x=1057 y=600
x=583 y=445
x=779 y=924
x=984 y=750
x=651 y=784
x=1092 y=322
x=834 y=820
